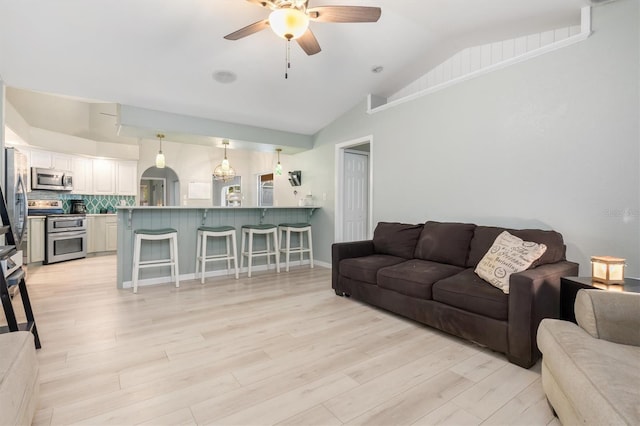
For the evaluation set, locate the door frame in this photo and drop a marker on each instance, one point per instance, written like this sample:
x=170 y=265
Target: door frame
x=340 y=149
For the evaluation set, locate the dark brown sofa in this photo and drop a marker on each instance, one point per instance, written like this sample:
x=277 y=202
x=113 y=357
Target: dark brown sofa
x=426 y=273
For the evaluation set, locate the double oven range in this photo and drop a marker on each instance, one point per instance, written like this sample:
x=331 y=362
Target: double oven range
x=65 y=234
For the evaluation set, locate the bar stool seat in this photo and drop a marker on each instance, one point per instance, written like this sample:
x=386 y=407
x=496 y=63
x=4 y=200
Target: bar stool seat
x=205 y=232
x=301 y=229
x=268 y=230
x=141 y=235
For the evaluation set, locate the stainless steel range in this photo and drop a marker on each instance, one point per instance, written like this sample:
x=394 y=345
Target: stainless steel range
x=65 y=234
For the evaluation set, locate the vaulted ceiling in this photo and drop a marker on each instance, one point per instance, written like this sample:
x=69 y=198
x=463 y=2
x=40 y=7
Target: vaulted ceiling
x=162 y=55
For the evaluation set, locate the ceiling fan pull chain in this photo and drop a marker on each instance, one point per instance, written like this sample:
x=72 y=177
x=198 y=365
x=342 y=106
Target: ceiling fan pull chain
x=287 y=59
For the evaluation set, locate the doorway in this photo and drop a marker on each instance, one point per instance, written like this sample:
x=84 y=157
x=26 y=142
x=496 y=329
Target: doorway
x=152 y=192
x=354 y=175
x=159 y=187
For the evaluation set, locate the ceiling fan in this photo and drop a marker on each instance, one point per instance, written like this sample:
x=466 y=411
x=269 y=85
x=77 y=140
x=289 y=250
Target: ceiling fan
x=290 y=20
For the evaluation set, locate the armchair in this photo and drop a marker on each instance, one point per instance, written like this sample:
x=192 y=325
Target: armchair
x=591 y=371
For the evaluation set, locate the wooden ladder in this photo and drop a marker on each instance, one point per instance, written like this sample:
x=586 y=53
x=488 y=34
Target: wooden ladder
x=17 y=278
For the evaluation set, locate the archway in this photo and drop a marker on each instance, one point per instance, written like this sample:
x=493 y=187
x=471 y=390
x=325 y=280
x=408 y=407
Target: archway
x=159 y=187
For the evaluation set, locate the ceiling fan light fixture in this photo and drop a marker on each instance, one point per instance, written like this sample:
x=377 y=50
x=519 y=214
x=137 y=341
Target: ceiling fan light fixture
x=289 y=23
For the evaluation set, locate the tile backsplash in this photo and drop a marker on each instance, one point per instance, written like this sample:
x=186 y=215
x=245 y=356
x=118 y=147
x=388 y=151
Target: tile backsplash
x=94 y=202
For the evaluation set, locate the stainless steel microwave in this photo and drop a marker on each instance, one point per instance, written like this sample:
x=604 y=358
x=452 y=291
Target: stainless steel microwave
x=51 y=179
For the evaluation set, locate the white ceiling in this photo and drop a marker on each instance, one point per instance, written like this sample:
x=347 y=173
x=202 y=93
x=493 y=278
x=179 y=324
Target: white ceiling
x=161 y=55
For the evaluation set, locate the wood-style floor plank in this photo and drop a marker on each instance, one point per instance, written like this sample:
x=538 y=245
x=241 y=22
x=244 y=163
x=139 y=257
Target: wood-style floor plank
x=271 y=349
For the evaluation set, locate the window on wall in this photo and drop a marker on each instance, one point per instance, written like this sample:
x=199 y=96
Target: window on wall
x=265 y=190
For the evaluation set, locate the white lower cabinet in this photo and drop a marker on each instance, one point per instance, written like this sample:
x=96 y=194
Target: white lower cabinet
x=102 y=233
x=111 y=233
x=35 y=240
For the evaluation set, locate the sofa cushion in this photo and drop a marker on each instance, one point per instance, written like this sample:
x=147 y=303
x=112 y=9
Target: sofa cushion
x=396 y=239
x=508 y=255
x=469 y=292
x=445 y=242
x=415 y=277
x=484 y=236
x=366 y=268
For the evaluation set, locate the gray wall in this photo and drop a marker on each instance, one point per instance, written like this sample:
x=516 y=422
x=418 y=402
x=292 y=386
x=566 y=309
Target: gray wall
x=552 y=143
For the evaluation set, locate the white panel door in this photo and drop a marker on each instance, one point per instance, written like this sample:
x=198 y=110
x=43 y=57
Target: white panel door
x=356 y=193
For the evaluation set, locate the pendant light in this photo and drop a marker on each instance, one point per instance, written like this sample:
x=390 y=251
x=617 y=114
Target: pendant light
x=160 y=161
x=224 y=171
x=278 y=170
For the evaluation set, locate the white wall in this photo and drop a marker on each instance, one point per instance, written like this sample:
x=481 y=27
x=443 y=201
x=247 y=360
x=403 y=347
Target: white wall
x=549 y=143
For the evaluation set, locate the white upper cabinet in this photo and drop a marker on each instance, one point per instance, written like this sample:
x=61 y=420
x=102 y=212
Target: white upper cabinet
x=91 y=176
x=51 y=160
x=104 y=182
x=82 y=169
x=126 y=177
x=40 y=159
x=61 y=161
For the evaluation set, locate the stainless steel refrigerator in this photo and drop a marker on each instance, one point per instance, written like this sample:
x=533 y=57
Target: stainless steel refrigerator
x=15 y=190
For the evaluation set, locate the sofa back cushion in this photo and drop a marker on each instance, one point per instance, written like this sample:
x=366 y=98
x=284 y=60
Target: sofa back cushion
x=484 y=236
x=396 y=239
x=445 y=242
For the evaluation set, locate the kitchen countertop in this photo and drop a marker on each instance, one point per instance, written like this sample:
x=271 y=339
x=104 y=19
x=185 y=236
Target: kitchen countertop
x=212 y=207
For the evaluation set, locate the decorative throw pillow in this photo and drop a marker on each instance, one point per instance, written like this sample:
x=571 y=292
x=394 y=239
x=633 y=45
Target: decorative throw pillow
x=508 y=255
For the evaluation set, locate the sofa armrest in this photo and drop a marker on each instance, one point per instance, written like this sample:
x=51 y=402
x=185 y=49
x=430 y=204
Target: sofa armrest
x=609 y=315
x=534 y=294
x=340 y=251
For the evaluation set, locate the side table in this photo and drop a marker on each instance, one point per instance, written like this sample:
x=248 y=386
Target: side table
x=569 y=287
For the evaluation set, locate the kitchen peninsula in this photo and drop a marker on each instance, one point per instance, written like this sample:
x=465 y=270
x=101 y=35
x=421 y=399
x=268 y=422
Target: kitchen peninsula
x=186 y=221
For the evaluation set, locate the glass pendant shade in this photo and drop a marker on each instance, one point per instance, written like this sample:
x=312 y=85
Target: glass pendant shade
x=289 y=23
x=224 y=171
x=278 y=169
x=160 y=160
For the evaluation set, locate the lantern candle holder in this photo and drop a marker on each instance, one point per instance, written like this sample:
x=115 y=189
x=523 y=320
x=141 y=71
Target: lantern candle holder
x=607 y=269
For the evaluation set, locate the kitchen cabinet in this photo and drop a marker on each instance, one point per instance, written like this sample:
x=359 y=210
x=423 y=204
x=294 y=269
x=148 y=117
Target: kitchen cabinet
x=51 y=160
x=82 y=169
x=96 y=240
x=111 y=234
x=111 y=177
x=102 y=233
x=35 y=239
x=91 y=244
x=104 y=182
x=126 y=178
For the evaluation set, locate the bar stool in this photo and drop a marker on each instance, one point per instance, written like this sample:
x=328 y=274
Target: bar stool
x=300 y=228
x=229 y=234
x=169 y=234
x=267 y=230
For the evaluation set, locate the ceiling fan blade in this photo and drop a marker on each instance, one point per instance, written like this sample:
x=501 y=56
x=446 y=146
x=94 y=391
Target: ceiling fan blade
x=248 y=30
x=309 y=43
x=344 y=13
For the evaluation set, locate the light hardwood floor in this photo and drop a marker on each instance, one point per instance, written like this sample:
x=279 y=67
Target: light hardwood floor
x=273 y=349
